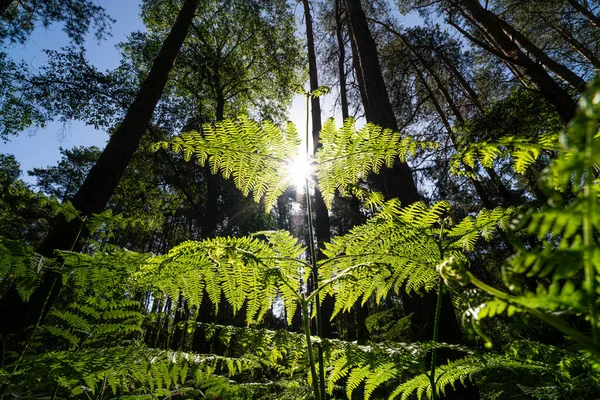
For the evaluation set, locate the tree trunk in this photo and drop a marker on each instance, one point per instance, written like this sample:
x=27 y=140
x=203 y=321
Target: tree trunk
x=554 y=94
x=341 y=59
x=396 y=182
x=101 y=181
x=4 y=4
x=585 y=12
x=553 y=66
x=578 y=46
x=321 y=215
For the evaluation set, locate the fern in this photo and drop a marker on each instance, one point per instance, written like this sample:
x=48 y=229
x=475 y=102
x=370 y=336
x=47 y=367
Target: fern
x=259 y=156
x=400 y=247
x=348 y=155
x=256 y=155
x=247 y=271
x=523 y=151
x=20 y=264
x=568 y=249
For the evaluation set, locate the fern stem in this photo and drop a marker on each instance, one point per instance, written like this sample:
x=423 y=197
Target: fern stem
x=588 y=228
x=313 y=259
x=436 y=331
x=309 y=349
x=436 y=322
x=551 y=320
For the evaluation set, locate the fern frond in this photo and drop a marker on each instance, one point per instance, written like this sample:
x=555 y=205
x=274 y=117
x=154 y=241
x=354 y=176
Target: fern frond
x=399 y=247
x=348 y=155
x=256 y=155
x=245 y=270
x=463 y=370
x=19 y=263
x=523 y=151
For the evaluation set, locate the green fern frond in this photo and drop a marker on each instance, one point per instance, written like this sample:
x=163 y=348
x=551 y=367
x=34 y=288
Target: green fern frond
x=523 y=151
x=256 y=155
x=463 y=370
x=400 y=247
x=245 y=270
x=348 y=155
x=19 y=263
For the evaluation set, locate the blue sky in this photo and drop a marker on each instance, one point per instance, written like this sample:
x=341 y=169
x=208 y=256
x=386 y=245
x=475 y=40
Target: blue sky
x=39 y=148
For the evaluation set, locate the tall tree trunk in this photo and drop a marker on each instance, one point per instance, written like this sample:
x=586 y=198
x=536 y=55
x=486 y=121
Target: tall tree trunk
x=502 y=189
x=559 y=70
x=398 y=182
x=4 y=4
x=321 y=215
x=593 y=18
x=577 y=45
x=554 y=94
x=206 y=312
x=103 y=178
x=341 y=59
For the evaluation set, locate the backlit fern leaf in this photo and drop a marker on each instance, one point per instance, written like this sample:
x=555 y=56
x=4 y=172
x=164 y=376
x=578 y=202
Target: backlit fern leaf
x=399 y=248
x=245 y=270
x=256 y=155
x=348 y=155
x=554 y=298
x=462 y=370
x=523 y=151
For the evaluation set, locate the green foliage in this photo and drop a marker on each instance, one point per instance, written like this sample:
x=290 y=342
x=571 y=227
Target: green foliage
x=256 y=155
x=22 y=17
x=97 y=332
x=259 y=156
x=347 y=155
x=247 y=271
x=400 y=248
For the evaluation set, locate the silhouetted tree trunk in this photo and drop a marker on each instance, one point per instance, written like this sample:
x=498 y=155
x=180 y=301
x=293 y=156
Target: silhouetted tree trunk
x=489 y=24
x=209 y=229
x=101 y=181
x=4 y=4
x=398 y=182
x=552 y=65
x=585 y=12
x=321 y=215
x=341 y=59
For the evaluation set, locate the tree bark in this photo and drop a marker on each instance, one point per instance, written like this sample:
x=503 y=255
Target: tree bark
x=4 y=4
x=554 y=94
x=99 y=185
x=341 y=59
x=322 y=227
x=552 y=65
x=594 y=20
x=396 y=182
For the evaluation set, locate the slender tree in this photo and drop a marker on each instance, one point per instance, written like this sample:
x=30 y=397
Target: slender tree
x=101 y=181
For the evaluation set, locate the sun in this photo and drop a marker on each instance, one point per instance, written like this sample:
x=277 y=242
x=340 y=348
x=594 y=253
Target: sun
x=298 y=170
